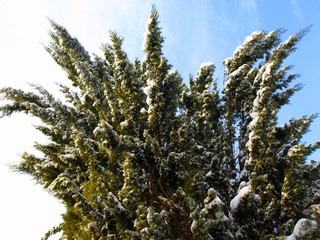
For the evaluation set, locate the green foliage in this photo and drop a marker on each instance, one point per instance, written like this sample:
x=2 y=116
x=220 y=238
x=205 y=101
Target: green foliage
x=136 y=154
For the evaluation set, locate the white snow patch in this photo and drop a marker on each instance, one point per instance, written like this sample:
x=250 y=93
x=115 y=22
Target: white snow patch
x=225 y=218
x=238 y=71
x=236 y=200
x=302 y=227
x=146 y=35
x=242 y=185
x=207 y=64
x=116 y=201
x=209 y=174
x=249 y=38
x=255 y=120
x=268 y=70
x=98 y=130
x=227 y=60
x=68 y=156
x=238 y=49
x=252 y=137
x=217 y=200
x=61 y=41
x=257 y=197
x=49 y=164
x=270 y=34
x=81 y=76
x=151 y=82
x=51 y=109
x=246 y=41
x=143 y=110
x=144 y=58
x=288 y=40
x=194 y=226
x=173 y=71
x=232 y=182
x=149 y=101
x=131 y=154
x=147 y=90
x=234 y=74
x=294 y=151
x=238 y=233
x=124 y=123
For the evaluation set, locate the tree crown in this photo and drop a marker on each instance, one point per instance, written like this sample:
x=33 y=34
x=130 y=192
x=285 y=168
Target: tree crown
x=136 y=154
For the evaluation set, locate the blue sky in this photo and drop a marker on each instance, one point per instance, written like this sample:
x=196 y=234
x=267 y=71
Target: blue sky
x=195 y=31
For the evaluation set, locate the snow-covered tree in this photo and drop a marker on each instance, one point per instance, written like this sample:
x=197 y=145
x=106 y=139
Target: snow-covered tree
x=134 y=153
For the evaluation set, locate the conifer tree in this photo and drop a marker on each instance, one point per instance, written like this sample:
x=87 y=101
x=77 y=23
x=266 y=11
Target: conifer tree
x=135 y=153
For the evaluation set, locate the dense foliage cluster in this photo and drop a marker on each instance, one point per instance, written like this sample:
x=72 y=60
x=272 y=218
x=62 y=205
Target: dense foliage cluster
x=136 y=154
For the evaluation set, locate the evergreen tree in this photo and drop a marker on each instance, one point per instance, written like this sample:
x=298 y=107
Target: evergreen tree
x=136 y=154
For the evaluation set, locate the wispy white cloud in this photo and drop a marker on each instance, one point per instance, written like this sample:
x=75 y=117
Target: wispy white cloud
x=249 y=4
x=90 y=21
x=297 y=9
x=250 y=7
